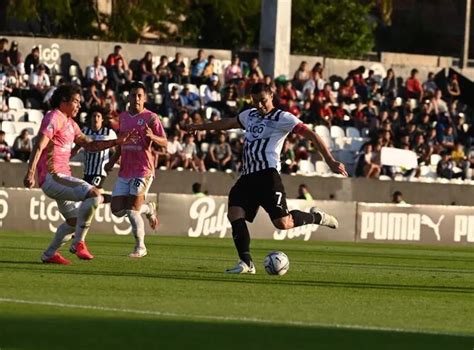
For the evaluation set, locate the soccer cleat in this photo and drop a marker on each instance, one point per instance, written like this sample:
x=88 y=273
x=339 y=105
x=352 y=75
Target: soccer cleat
x=138 y=253
x=81 y=251
x=153 y=217
x=55 y=259
x=326 y=219
x=242 y=267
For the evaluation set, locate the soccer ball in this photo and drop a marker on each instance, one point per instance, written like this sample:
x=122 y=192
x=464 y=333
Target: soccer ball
x=276 y=263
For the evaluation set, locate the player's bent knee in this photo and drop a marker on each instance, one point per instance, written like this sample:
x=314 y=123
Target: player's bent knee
x=235 y=213
x=283 y=224
x=71 y=221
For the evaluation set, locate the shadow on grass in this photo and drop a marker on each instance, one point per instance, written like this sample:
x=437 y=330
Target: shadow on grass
x=213 y=276
x=77 y=332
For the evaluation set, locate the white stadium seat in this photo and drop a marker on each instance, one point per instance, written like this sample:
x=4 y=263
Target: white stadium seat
x=35 y=116
x=15 y=103
x=337 y=131
x=9 y=127
x=322 y=130
x=434 y=159
x=352 y=132
x=305 y=167
x=322 y=169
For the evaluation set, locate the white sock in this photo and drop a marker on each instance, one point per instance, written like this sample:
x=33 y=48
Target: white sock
x=63 y=234
x=138 y=227
x=85 y=214
x=145 y=209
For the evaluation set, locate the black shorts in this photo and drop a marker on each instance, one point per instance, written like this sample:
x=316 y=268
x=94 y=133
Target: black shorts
x=263 y=188
x=95 y=180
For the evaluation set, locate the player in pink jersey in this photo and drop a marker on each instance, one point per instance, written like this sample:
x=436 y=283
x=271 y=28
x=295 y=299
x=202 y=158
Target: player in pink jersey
x=77 y=200
x=137 y=167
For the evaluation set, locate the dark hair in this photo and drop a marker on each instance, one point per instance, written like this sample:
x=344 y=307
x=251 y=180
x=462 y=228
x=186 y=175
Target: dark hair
x=196 y=187
x=134 y=85
x=397 y=193
x=261 y=87
x=64 y=93
x=116 y=47
x=2 y=132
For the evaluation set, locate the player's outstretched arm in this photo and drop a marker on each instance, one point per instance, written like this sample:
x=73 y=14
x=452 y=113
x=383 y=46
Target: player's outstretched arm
x=223 y=124
x=159 y=140
x=336 y=166
x=95 y=146
x=40 y=145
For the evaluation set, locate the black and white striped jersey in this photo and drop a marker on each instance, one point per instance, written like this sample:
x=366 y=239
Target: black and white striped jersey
x=94 y=162
x=264 y=138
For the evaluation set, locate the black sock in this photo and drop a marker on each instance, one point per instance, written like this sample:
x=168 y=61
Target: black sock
x=301 y=218
x=241 y=236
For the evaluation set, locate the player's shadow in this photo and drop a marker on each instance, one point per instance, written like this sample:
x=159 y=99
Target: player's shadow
x=258 y=281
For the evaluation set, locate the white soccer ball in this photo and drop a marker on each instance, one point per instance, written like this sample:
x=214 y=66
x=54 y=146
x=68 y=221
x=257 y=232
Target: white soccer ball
x=276 y=263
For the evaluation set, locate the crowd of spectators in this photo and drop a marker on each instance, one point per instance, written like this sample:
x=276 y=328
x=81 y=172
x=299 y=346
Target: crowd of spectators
x=412 y=114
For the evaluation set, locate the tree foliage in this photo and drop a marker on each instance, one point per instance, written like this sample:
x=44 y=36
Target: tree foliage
x=339 y=28
x=327 y=27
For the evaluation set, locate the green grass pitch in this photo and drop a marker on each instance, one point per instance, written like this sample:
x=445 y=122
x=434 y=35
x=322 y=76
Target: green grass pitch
x=335 y=296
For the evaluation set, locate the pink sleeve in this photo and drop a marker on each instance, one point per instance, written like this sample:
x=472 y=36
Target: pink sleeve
x=49 y=125
x=77 y=131
x=157 y=127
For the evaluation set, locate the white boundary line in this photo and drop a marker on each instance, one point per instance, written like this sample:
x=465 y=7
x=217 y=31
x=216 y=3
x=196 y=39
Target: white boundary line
x=225 y=318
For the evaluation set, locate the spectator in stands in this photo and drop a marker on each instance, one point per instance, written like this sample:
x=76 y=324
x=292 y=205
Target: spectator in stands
x=93 y=97
x=233 y=71
x=254 y=68
x=445 y=167
x=285 y=93
x=189 y=100
x=459 y=159
x=191 y=160
x=16 y=59
x=163 y=71
x=4 y=55
x=97 y=73
x=32 y=61
x=365 y=165
x=301 y=76
x=288 y=158
x=413 y=86
x=179 y=70
x=453 y=87
x=303 y=193
x=347 y=91
x=212 y=95
x=429 y=86
x=397 y=198
x=197 y=67
x=220 y=154
x=5 y=152
x=22 y=146
x=146 y=71
x=390 y=85
x=314 y=84
x=120 y=77
x=175 y=152
x=447 y=139
x=173 y=103
x=39 y=82
x=438 y=104
x=432 y=141
x=208 y=71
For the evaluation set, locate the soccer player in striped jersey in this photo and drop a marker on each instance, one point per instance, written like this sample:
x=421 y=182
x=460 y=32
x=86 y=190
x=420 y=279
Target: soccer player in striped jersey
x=77 y=200
x=94 y=162
x=260 y=184
x=137 y=167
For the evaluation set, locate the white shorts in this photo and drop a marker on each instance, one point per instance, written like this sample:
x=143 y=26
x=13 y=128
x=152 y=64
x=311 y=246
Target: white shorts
x=68 y=191
x=136 y=186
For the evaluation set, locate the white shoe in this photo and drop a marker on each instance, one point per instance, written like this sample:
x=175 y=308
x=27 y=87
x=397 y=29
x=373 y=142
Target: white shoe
x=242 y=267
x=152 y=216
x=326 y=219
x=138 y=253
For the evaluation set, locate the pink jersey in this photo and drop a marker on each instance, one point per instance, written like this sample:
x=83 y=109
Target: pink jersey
x=61 y=132
x=138 y=159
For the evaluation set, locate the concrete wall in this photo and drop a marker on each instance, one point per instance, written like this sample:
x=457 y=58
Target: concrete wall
x=351 y=189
